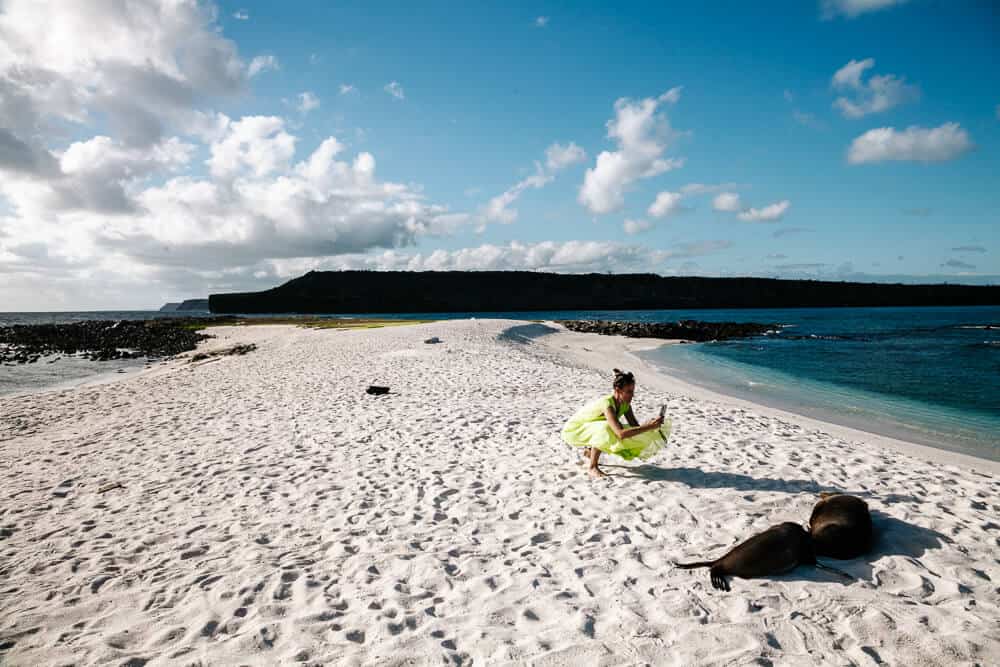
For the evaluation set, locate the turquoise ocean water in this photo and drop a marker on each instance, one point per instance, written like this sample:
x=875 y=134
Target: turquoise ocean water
x=929 y=375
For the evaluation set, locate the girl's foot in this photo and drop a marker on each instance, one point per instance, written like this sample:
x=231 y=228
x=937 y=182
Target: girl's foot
x=596 y=473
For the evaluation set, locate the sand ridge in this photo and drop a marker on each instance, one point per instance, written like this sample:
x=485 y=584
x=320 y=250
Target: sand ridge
x=274 y=513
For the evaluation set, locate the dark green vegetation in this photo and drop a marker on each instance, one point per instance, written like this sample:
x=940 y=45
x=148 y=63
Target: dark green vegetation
x=505 y=291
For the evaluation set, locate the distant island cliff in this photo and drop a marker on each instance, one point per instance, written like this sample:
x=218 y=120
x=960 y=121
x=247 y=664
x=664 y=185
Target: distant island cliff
x=188 y=304
x=505 y=291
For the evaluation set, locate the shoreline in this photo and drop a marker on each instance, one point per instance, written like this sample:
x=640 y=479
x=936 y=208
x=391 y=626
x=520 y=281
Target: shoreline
x=596 y=351
x=94 y=376
x=263 y=509
x=870 y=422
x=131 y=365
x=601 y=354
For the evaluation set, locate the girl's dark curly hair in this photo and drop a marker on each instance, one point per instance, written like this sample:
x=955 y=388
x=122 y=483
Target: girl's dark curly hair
x=622 y=379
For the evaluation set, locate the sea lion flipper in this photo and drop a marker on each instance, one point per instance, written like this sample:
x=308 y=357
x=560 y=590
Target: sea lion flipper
x=719 y=581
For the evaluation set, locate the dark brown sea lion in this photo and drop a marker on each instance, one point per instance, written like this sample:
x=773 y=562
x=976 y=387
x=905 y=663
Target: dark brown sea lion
x=777 y=550
x=841 y=527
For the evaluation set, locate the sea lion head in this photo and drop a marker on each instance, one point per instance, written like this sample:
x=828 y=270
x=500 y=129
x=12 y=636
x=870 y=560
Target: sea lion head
x=841 y=526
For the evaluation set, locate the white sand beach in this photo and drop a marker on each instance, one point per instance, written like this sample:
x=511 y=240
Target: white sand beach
x=270 y=512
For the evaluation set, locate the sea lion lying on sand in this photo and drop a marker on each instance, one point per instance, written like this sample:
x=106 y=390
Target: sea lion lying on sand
x=777 y=550
x=841 y=526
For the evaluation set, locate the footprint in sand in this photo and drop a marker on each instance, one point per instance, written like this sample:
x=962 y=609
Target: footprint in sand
x=208 y=630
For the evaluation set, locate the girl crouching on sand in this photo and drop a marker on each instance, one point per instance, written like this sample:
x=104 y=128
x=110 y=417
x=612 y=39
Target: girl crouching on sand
x=597 y=428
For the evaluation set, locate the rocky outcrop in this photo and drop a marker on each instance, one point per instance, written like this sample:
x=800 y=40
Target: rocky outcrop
x=691 y=330
x=235 y=350
x=101 y=340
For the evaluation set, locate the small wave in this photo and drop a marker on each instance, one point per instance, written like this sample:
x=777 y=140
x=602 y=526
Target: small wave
x=989 y=344
x=977 y=326
x=863 y=339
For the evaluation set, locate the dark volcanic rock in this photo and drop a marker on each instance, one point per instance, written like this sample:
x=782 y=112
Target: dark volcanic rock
x=683 y=330
x=101 y=340
x=237 y=350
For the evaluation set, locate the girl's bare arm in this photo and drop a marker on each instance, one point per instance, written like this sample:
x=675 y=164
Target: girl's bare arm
x=623 y=433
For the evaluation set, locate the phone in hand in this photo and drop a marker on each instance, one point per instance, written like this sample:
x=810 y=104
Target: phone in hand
x=663 y=411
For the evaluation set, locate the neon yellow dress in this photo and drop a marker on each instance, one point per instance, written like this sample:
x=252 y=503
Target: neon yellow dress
x=589 y=428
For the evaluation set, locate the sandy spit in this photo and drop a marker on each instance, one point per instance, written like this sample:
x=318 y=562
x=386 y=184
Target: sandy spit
x=270 y=512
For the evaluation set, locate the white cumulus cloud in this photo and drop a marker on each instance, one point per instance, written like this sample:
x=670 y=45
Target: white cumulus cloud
x=666 y=203
x=880 y=93
x=496 y=209
x=541 y=21
x=347 y=88
x=770 y=213
x=394 y=89
x=554 y=256
x=241 y=15
x=62 y=63
x=317 y=207
x=110 y=213
x=914 y=144
x=307 y=102
x=262 y=64
x=643 y=135
x=258 y=144
x=727 y=201
x=558 y=156
x=633 y=227
x=854 y=8
x=849 y=76
x=104 y=199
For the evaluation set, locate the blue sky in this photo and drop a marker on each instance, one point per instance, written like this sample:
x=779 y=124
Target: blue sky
x=842 y=139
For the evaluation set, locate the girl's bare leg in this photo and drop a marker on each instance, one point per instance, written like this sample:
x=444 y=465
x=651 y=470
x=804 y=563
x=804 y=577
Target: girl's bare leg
x=594 y=471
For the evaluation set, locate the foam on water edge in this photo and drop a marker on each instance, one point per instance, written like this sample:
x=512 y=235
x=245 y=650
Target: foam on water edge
x=943 y=427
